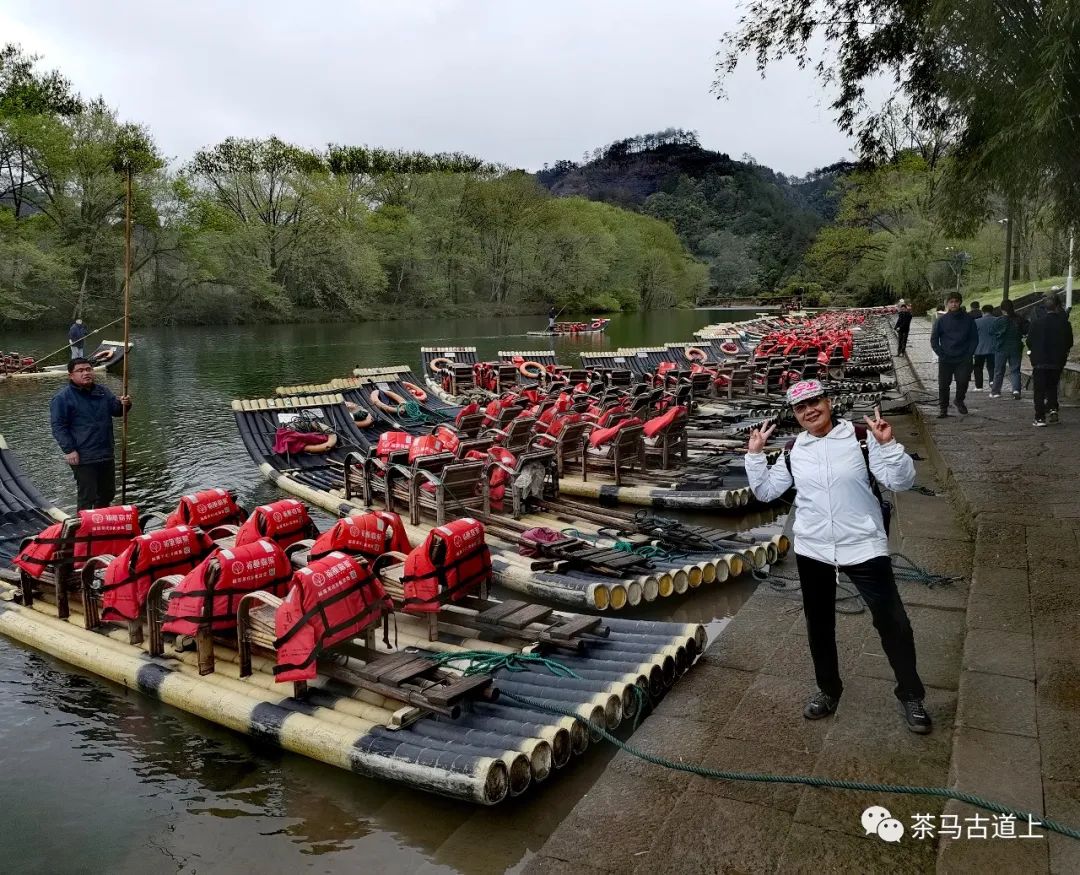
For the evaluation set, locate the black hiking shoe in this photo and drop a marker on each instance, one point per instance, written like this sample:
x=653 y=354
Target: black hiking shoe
x=822 y=705
x=961 y=407
x=943 y=414
x=915 y=716
x=1051 y=416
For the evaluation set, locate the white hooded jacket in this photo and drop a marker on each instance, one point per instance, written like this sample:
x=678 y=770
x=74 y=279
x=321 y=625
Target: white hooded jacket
x=837 y=516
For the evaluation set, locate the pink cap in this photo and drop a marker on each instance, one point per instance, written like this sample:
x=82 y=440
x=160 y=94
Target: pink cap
x=804 y=390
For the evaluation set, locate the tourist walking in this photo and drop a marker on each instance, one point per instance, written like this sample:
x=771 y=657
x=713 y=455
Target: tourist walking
x=76 y=336
x=839 y=526
x=984 y=351
x=1008 y=332
x=903 y=326
x=1049 y=340
x=81 y=416
x=953 y=338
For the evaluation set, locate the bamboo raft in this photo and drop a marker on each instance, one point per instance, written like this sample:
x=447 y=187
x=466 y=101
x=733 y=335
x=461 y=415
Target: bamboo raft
x=379 y=709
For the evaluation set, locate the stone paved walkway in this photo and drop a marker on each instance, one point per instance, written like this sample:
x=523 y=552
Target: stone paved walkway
x=998 y=652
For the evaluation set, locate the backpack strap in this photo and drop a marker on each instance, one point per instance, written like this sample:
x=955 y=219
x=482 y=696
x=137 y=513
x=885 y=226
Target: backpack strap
x=860 y=435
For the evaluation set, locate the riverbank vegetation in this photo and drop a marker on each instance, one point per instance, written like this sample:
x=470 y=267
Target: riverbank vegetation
x=262 y=230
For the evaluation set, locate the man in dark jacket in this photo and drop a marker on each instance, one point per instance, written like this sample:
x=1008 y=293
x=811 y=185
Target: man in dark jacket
x=81 y=416
x=953 y=339
x=903 y=326
x=76 y=336
x=1049 y=340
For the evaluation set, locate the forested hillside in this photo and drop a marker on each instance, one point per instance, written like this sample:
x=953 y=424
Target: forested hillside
x=263 y=230
x=750 y=225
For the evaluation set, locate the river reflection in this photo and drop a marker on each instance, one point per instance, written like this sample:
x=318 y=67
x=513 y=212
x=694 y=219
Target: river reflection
x=97 y=778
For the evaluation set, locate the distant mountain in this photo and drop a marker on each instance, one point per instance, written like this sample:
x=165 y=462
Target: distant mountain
x=750 y=224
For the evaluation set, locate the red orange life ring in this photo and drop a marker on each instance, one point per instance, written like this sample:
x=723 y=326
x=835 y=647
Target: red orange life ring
x=414 y=390
x=376 y=399
x=354 y=409
x=531 y=369
x=101 y=356
x=730 y=347
x=440 y=364
x=696 y=354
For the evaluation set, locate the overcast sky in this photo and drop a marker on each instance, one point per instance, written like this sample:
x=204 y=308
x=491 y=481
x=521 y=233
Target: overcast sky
x=522 y=82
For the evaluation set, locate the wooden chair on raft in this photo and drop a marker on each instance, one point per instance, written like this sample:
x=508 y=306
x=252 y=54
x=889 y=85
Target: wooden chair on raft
x=668 y=443
x=470 y=424
x=540 y=463
x=406 y=677
x=472 y=612
x=569 y=445
x=515 y=436
x=55 y=557
x=625 y=452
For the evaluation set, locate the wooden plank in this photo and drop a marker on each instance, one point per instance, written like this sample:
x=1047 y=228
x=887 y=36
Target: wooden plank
x=573 y=628
x=528 y=614
x=495 y=614
x=373 y=669
x=399 y=674
x=447 y=694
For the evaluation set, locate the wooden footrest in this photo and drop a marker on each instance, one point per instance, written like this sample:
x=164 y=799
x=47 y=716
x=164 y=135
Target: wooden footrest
x=466 y=688
x=577 y=626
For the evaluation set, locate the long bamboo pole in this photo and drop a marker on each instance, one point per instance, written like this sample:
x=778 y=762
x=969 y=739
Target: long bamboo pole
x=127 y=329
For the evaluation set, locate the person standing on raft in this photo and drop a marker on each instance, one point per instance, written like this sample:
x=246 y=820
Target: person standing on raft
x=81 y=416
x=76 y=338
x=839 y=526
x=551 y=318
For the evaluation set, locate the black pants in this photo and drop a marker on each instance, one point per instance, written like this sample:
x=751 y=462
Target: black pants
x=96 y=483
x=982 y=361
x=875 y=583
x=945 y=373
x=901 y=341
x=1046 y=388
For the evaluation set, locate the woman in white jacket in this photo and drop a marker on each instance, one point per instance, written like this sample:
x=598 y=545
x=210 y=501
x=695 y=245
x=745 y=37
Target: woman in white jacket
x=839 y=527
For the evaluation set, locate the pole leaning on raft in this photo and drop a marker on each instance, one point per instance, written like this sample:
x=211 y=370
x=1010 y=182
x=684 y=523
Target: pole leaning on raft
x=127 y=327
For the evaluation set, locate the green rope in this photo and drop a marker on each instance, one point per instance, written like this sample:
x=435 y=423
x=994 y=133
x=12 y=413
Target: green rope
x=490 y=661
x=412 y=411
x=807 y=780
x=905 y=569
x=583 y=536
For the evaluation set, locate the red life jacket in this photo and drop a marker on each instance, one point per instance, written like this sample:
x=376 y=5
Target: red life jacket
x=392 y=442
x=128 y=578
x=601 y=436
x=448 y=437
x=371 y=534
x=469 y=409
x=194 y=603
x=659 y=423
x=104 y=531
x=561 y=421
x=335 y=598
x=284 y=522
x=211 y=507
x=452 y=562
x=424 y=445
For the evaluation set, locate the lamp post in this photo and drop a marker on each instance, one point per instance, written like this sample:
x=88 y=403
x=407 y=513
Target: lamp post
x=1069 y=278
x=1008 y=257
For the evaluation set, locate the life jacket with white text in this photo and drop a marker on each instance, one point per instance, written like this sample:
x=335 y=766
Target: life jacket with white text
x=106 y=530
x=175 y=550
x=452 y=562
x=331 y=600
x=284 y=522
x=208 y=508
x=210 y=592
x=371 y=534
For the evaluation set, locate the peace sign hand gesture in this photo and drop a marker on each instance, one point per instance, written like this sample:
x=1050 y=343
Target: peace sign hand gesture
x=758 y=438
x=878 y=427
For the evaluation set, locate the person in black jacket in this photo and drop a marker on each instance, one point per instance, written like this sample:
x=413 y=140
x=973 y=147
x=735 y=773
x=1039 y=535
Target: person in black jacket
x=953 y=339
x=1049 y=340
x=903 y=326
x=81 y=416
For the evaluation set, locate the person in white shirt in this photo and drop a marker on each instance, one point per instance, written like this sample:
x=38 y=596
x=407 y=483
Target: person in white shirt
x=839 y=526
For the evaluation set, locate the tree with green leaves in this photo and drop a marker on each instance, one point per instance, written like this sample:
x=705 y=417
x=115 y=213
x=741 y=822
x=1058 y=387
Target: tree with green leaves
x=1005 y=75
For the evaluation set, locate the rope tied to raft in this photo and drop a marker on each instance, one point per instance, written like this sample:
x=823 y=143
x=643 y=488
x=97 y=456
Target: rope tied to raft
x=413 y=412
x=806 y=780
x=490 y=661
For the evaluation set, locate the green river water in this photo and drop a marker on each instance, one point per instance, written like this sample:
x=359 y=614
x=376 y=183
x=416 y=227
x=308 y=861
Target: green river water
x=99 y=779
